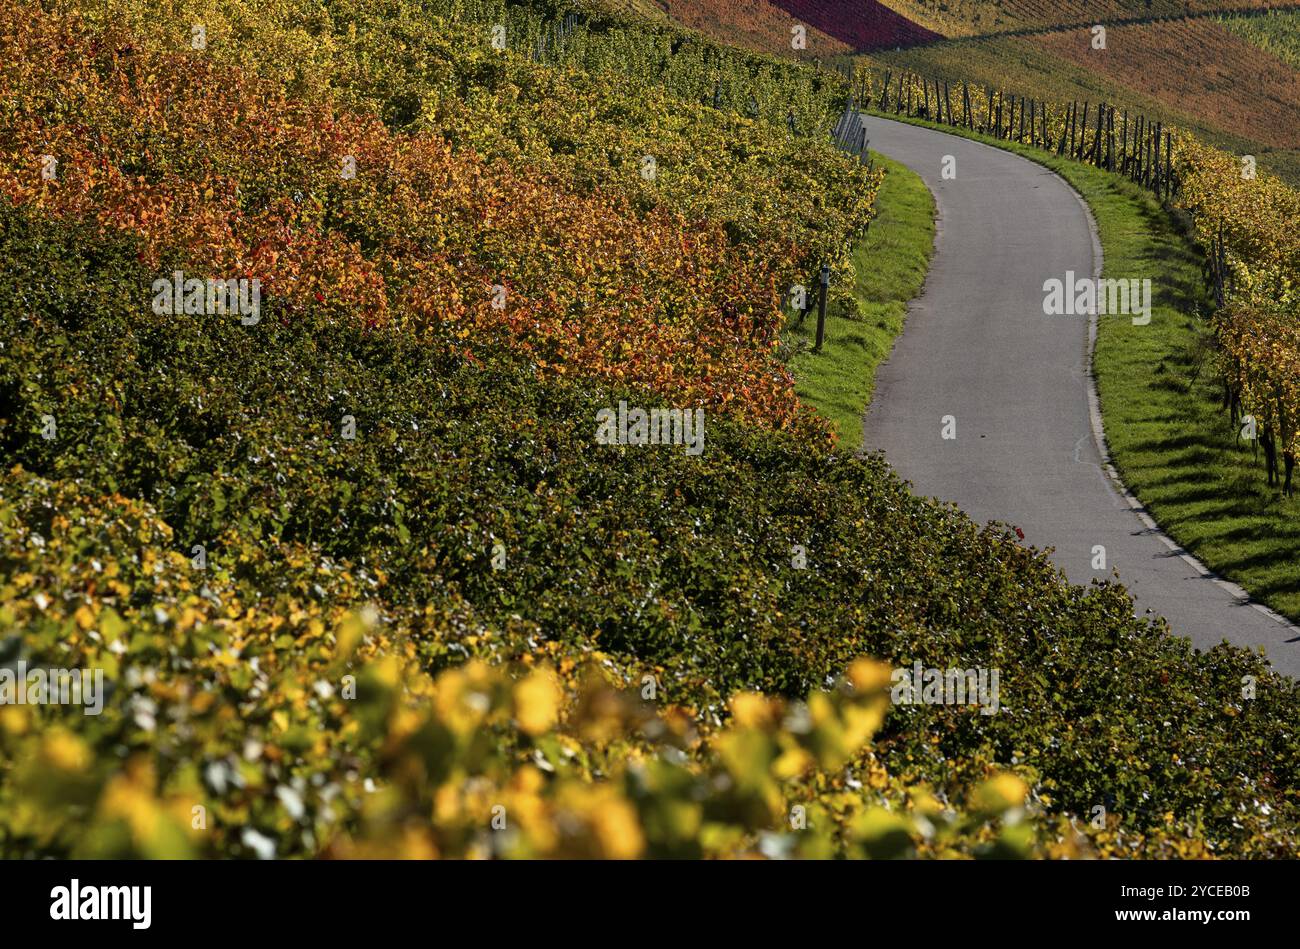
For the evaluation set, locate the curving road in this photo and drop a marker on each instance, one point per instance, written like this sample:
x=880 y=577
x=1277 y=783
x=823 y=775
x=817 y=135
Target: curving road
x=978 y=347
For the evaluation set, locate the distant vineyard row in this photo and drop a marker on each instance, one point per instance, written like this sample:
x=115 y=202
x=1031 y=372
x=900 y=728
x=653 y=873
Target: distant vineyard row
x=979 y=17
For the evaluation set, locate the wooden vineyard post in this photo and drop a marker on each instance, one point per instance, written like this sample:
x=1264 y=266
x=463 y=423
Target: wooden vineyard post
x=898 y=97
x=1155 y=160
x=1033 y=127
x=1123 y=147
x=1153 y=154
x=1144 y=135
x=1096 y=139
x=884 y=93
x=1148 y=129
x=1094 y=150
x=1110 y=140
x=988 y=122
x=1137 y=148
x=825 y=279
x=947 y=102
x=1155 y=163
x=1153 y=179
x=1146 y=148
x=1169 y=164
x=1223 y=260
x=1144 y=157
x=967 y=119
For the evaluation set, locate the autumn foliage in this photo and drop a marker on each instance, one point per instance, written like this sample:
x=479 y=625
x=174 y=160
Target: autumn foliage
x=359 y=576
x=607 y=281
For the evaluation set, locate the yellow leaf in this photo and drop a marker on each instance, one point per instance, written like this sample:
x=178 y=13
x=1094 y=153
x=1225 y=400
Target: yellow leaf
x=537 y=702
x=999 y=794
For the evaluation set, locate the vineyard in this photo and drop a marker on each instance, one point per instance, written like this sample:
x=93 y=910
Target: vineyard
x=1097 y=133
x=356 y=568
x=1262 y=351
x=1192 y=65
x=1277 y=34
x=1198 y=67
x=571 y=303
x=1249 y=226
x=754 y=24
x=858 y=26
x=981 y=17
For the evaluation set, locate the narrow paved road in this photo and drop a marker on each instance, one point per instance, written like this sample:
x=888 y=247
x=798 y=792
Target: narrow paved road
x=978 y=347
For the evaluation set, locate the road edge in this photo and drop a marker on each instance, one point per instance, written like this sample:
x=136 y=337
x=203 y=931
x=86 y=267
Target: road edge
x=1097 y=424
x=1095 y=419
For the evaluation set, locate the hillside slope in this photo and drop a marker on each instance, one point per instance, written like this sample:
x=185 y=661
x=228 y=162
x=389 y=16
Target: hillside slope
x=363 y=552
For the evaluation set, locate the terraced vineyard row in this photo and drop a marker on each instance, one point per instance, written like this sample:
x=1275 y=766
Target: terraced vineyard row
x=983 y=17
x=1278 y=33
x=1238 y=89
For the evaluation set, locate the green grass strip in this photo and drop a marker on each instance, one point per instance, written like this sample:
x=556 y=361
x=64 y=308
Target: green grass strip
x=891 y=263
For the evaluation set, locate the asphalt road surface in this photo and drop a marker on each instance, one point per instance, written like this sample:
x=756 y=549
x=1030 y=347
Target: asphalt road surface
x=978 y=347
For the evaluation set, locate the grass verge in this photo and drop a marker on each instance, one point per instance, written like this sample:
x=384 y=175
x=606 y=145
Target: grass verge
x=891 y=263
x=1160 y=397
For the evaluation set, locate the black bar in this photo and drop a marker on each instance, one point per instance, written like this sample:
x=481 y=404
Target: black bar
x=250 y=901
